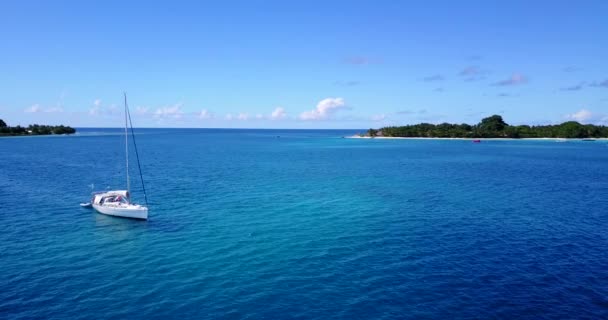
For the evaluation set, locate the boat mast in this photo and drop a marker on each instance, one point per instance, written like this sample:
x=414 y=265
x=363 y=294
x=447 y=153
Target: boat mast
x=127 y=144
x=137 y=156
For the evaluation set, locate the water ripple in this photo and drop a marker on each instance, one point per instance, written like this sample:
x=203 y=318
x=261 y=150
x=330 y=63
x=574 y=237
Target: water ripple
x=245 y=225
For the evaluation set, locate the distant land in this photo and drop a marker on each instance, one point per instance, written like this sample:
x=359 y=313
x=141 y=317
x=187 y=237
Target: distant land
x=33 y=130
x=491 y=127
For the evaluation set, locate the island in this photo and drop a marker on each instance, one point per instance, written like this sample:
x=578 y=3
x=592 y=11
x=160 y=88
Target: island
x=491 y=127
x=33 y=130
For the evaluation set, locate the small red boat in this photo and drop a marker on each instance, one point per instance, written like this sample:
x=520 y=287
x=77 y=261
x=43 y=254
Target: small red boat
x=476 y=141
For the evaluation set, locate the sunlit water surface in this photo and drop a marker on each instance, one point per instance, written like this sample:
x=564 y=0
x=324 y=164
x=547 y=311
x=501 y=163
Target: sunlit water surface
x=305 y=225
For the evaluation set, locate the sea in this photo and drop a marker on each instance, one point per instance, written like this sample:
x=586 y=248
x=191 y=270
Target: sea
x=304 y=224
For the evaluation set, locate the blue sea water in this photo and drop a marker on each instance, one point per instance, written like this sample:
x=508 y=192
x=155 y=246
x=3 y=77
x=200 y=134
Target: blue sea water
x=304 y=225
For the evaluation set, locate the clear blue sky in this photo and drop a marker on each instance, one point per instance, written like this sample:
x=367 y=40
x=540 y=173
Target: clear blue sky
x=304 y=64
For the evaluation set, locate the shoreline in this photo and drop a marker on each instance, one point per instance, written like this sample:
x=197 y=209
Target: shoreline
x=498 y=139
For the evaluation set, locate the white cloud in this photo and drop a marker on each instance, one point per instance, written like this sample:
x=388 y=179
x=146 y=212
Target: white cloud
x=243 y=116
x=205 y=114
x=278 y=113
x=97 y=108
x=259 y=116
x=378 y=117
x=324 y=109
x=36 y=108
x=33 y=109
x=142 y=110
x=585 y=116
x=582 y=115
x=229 y=116
x=62 y=96
x=54 y=110
x=173 y=111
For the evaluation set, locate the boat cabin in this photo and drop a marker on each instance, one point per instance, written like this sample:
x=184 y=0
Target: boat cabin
x=111 y=198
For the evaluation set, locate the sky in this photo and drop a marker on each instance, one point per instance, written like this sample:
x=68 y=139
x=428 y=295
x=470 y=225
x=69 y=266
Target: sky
x=302 y=64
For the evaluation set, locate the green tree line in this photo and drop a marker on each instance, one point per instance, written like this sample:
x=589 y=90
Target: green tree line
x=493 y=127
x=33 y=129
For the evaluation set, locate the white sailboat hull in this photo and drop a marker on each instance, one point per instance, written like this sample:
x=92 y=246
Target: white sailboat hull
x=125 y=211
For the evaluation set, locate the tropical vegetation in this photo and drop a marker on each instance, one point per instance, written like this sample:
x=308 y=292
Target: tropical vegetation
x=33 y=129
x=493 y=127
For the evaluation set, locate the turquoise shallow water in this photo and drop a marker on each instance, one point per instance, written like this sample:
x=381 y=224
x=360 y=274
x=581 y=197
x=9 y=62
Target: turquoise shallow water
x=303 y=224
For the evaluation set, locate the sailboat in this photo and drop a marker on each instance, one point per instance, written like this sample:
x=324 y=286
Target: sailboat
x=118 y=202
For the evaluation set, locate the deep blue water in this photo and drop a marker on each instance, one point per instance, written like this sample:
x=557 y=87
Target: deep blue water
x=247 y=224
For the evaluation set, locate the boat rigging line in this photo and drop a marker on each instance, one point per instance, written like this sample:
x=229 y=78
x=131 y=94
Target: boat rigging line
x=136 y=153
